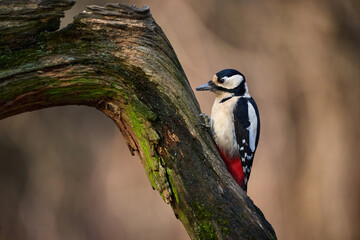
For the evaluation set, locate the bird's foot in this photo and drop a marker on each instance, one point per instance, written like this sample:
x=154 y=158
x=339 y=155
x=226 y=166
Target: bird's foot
x=204 y=121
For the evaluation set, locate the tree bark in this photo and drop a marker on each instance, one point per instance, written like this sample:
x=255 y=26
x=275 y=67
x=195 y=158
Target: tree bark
x=118 y=60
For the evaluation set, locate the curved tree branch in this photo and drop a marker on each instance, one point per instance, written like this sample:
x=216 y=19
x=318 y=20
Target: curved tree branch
x=117 y=59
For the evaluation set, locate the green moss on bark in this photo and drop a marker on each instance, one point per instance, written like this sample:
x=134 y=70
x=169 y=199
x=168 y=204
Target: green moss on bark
x=204 y=226
x=148 y=138
x=172 y=185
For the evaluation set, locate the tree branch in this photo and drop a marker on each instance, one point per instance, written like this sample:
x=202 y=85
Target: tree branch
x=117 y=59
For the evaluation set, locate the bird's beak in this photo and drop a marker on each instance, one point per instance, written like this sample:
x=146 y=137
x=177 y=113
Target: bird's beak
x=210 y=86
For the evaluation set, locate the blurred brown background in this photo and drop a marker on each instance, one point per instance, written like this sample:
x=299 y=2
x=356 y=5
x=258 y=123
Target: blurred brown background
x=66 y=173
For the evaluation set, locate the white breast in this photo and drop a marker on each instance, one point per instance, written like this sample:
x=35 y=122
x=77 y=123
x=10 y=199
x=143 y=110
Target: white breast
x=222 y=125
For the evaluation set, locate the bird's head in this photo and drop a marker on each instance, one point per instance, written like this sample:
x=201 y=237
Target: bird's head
x=226 y=81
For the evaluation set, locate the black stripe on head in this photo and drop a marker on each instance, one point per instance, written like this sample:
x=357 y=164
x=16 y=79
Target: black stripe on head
x=238 y=91
x=228 y=73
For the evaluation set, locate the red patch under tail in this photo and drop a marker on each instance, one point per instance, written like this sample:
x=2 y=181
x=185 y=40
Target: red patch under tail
x=234 y=166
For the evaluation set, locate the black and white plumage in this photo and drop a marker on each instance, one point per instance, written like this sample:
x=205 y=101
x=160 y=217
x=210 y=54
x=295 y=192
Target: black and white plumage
x=235 y=123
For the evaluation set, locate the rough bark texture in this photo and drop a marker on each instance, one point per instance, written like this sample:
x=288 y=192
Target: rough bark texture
x=117 y=59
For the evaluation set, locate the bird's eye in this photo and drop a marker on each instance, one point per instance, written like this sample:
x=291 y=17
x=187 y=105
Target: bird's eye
x=221 y=80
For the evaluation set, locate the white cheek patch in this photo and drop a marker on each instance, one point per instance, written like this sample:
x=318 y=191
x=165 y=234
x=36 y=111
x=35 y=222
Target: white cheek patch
x=233 y=81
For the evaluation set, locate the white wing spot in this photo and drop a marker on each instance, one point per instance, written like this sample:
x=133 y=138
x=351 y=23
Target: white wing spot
x=253 y=126
x=244 y=169
x=242 y=148
x=243 y=141
x=243 y=159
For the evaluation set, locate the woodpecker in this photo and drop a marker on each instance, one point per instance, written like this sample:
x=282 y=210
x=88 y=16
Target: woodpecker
x=234 y=123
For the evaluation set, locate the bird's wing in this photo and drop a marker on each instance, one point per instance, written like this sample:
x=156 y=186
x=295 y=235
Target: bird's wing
x=242 y=124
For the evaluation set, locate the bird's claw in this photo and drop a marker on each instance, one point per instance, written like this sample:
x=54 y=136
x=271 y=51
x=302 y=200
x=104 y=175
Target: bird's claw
x=205 y=121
